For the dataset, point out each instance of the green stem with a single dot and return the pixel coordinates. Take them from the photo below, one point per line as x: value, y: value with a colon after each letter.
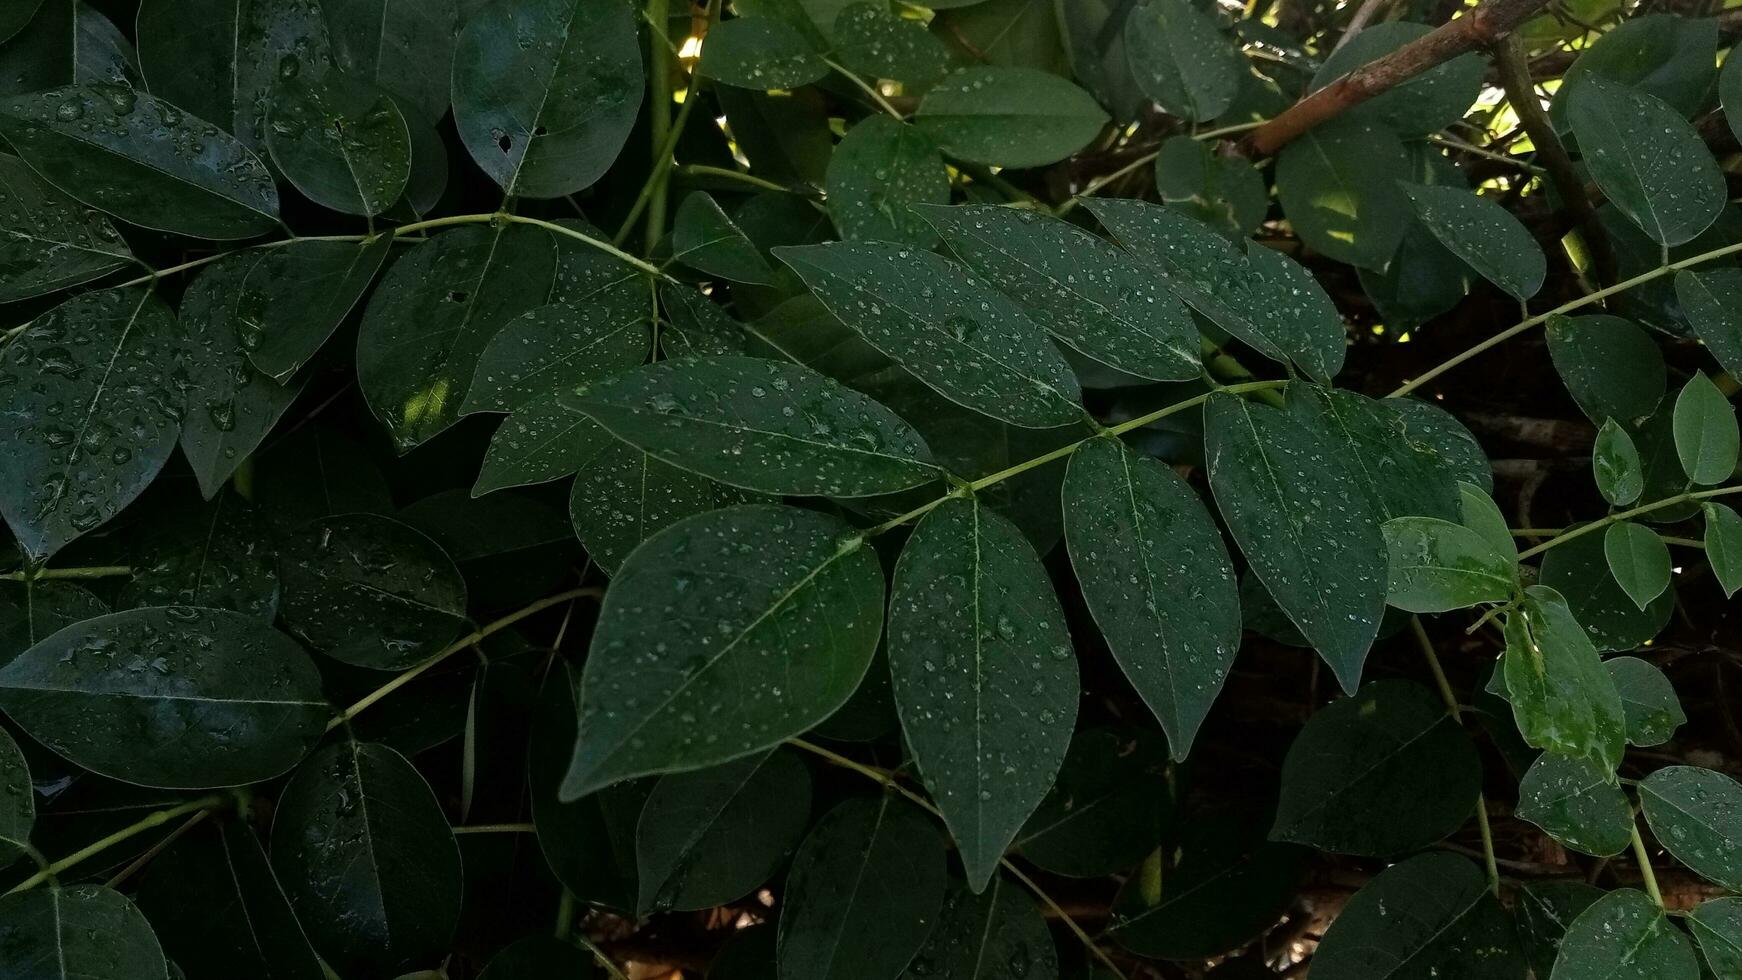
x: 1584, y: 529
x: 495, y: 828
x: 701, y: 170
x: 1647, y: 876
x: 565, y: 915
x: 550, y: 226
x: 659, y: 112
x: 599, y: 954
x: 407, y: 676
x: 1567, y: 307
x: 866, y: 87
x: 93, y: 571
x: 659, y: 177
x: 1450, y: 697
x: 154, y: 819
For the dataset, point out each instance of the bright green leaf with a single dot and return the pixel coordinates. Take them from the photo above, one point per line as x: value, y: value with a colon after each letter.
x: 1615, y: 464
x: 1648, y: 700
x: 1437, y: 566
x: 1562, y: 697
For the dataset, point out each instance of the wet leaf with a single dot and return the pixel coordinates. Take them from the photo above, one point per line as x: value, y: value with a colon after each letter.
x: 404, y: 46
x: 1625, y: 936
x: 1156, y: 575
x: 366, y: 858
x: 33, y: 612
x: 1696, y: 814
x: 218, y: 554
x: 540, y: 442
x: 1438, y: 566
x: 1647, y: 159
x: 546, y: 91
x: 872, y: 40
x: 880, y: 170
x: 1009, y: 117
x: 370, y: 591
x: 965, y: 340
x: 1562, y: 697
x: 68, y: 41
x: 48, y: 241
x: 340, y: 141
x: 997, y: 933
x: 761, y: 53
x: 1610, y: 366
x: 295, y: 297
x: 1615, y: 463
x: 1577, y: 802
x: 1579, y: 571
x: 1339, y: 185
x: 1724, y: 545
x: 1711, y: 300
x: 1544, y: 910
x: 1648, y: 700
x: 1226, y: 193
x: 705, y: 238
x: 1431, y: 915
x: 1484, y: 234
x: 759, y: 618
x: 1638, y: 559
x: 557, y: 347
x: 985, y: 676
x: 82, y: 932
x: 622, y: 496
x: 172, y: 696
x: 866, y: 889
x: 1358, y: 756
x: 1706, y: 436
x: 89, y: 411
x: 1181, y: 59
x: 1717, y: 926
x: 17, y: 802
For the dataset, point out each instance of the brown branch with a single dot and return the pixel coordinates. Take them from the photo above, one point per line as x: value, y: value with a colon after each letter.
x: 1487, y: 24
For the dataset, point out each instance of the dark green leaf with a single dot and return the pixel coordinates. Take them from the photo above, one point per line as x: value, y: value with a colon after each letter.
x: 1666, y: 55
x: 435, y: 312
x: 84, y: 932
x: 872, y: 40
x: 15, y: 16
x: 48, y: 241
x: 1638, y: 559
x: 370, y: 591
x: 1224, y: 192
x: 761, y: 53
x: 997, y: 933
x: 1609, y: 365
x: 1696, y: 814
x: 540, y: 958
x: 1545, y: 909
x: 985, y: 677
x: 1615, y: 463
x: 1478, y: 512
x: 172, y: 696
x: 557, y: 346
x: 1562, y: 696
x: 133, y: 155
x: 1339, y: 186
x: 218, y: 554
x: 68, y: 41
x: 712, y: 836
x: 1711, y: 299
x: 864, y: 893
x: 296, y: 296
x: 588, y: 843
x: 546, y: 91
x: 1717, y: 925
x: 1303, y: 523
x: 1647, y: 159
x: 1157, y: 578
x: 1647, y: 699
x: 1085, y: 292
x: 1625, y: 936
x: 696, y: 324
x: 622, y: 496
x: 340, y: 141
x: 1706, y: 436
x: 1405, y: 467
x: 366, y: 858
x: 1438, y: 566
x: 17, y: 802
x: 1182, y: 60
x: 1484, y: 234
x: 1020, y: 33
x: 705, y: 238
x: 404, y: 46
x: 1106, y: 811
x: 761, y: 425
x: 90, y: 409
x: 1009, y: 117
x: 1724, y: 545
x: 968, y: 342
x: 313, y: 472
x: 759, y: 618
x: 1577, y: 802
x: 1429, y: 916
x: 219, y: 910
x: 1358, y: 758
x: 1420, y: 105
x: 881, y: 169
x: 31, y: 613
x: 1579, y: 571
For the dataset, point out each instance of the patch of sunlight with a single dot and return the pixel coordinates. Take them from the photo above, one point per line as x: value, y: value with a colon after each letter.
x: 428, y: 402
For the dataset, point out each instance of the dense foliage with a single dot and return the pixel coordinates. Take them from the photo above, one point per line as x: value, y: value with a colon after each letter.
x: 843, y: 490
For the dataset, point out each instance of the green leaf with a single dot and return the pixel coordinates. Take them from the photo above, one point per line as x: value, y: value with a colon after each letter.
x: 966, y: 341
x: 66, y: 42
x: 83, y: 446
x: 1303, y: 523
x: 1339, y: 184
x: 1391, y: 740
x: 370, y: 591
x: 1671, y: 57
x: 1422, y: 104
x: 872, y: 40
x: 218, y: 555
x: 231, y: 406
x: 1647, y: 699
x: 1615, y: 464
x: 589, y: 843
x: 761, y: 425
x: 1226, y: 193
x: 366, y: 858
x: 17, y: 802
x: 1484, y: 234
x: 1638, y: 559
x: 1696, y: 814
x: 1717, y: 926
x: 1579, y: 571
x: 1099, y: 300
x: 705, y: 238
x: 1724, y: 545
x: 696, y: 324
x: 712, y: 836
x: 340, y: 141
x: 172, y: 696
x: 622, y: 496
x: 540, y: 957
x: 436, y: 310
x: 1625, y: 936
x: 761, y: 618
x: 786, y: 136
x: 1478, y: 512
x: 1545, y: 908
x: 545, y: 92
x: 1562, y: 697
x: 1437, y: 566
x: 554, y: 347
x: 1020, y: 33
x: 761, y: 53
x: 997, y: 932
x: 15, y: 16
x: 82, y: 932
x: 219, y: 910
x: 1706, y: 436
x: 1261, y: 297
x: 880, y: 170
x: 1432, y: 915
x: 1577, y: 802
x: 985, y: 677
x: 1646, y: 159
x: 1711, y: 299
x: 1182, y: 60
x: 1156, y: 576
x: 1009, y: 117
x: 1106, y: 811
x: 48, y: 241
x: 294, y: 298
x: 31, y: 613
x: 404, y: 46
x: 132, y: 155
x: 863, y: 892
x: 1610, y: 366
x: 315, y: 471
